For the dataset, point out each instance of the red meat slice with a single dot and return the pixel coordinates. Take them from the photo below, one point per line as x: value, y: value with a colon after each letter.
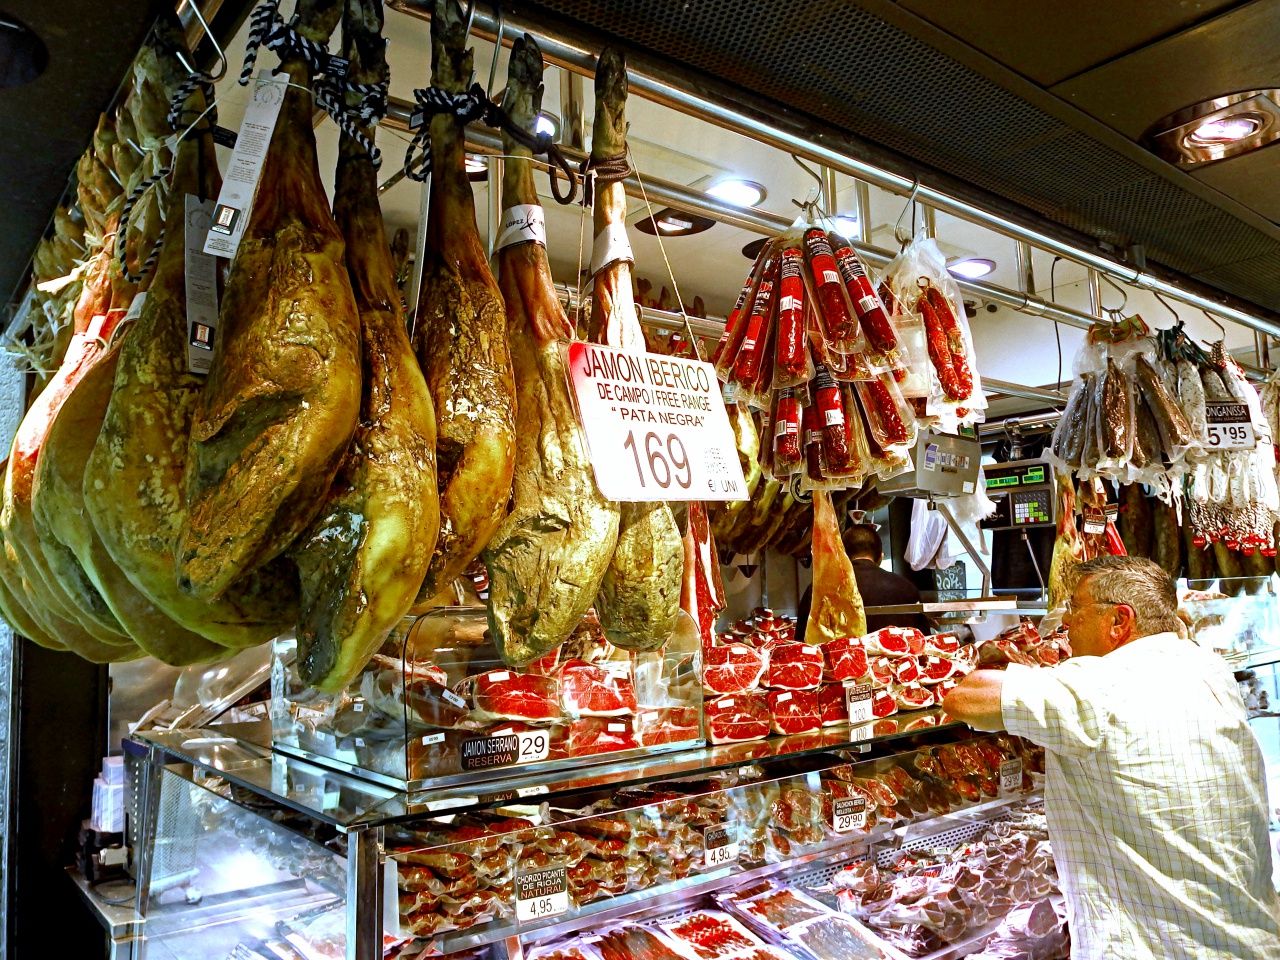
x: 589, y: 735
x: 942, y: 644
x: 846, y: 659
x: 742, y: 716
x: 883, y: 704
x: 1048, y: 654
x: 517, y: 696
x: 590, y: 690
x: 668, y: 725
x: 795, y: 666
x: 895, y: 642
x: 881, y: 670
x: 941, y: 690
x: 912, y: 696
x: 1000, y: 653
x: 936, y: 669
x: 735, y: 668
x: 832, y: 707
x: 794, y: 711
x: 906, y: 670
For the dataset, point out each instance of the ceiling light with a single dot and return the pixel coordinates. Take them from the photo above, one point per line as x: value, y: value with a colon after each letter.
x: 1226, y: 129
x: 674, y: 223
x: 844, y: 225
x: 752, y: 250
x: 23, y: 55
x: 549, y: 124
x: 1216, y: 129
x: 971, y: 268
x: 737, y: 193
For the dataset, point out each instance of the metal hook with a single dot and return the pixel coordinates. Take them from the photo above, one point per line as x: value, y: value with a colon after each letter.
x: 497, y: 50
x: 1167, y: 305
x: 1214, y: 320
x: 1115, y: 311
x: 810, y: 206
x: 466, y: 38
x: 909, y: 205
x: 222, y: 57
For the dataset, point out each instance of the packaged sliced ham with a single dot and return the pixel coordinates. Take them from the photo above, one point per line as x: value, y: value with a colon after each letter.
x: 795, y: 666
x: 513, y: 695
x: 935, y: 669
x: 710, y: 934
x: 741, y: 716
x: 596, y: 690
x: 794, y: 711
x: 895, y: 642
x: 832, y: 706
x: 883, y: 704
x: 942, y: 644
x: 733, y: 668
x: 590, y: 735
x: 912, y: 696
x: 846, y: 659
x: 659, y: 725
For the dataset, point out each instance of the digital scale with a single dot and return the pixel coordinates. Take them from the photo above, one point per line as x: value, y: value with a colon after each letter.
x: 1024, y: 494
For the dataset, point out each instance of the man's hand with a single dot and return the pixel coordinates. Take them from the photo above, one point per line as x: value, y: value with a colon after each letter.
x: 976, y: 700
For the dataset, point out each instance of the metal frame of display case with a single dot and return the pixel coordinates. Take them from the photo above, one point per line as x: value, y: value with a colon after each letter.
x: 363, y: 815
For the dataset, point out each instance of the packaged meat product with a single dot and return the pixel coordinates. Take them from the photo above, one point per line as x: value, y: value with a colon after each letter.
x: 834, y: 938
x: 661, y: 725
x: 837, y: 609
x: 791, y: 354
x: 845, y: 659
x: 781, y: 908
x: 735, y: 668
x: 710, y: 934
x: 941, y: 644
x: 795, y: 666
x: 634, y: 942
x: 549, y: 555
x: 825, y: 275
x: 514, y: 695
x: 574, y: 950
x: 742, y: 716
x: 590, y: 735
x: 935, y: 669
x: 794, y: 711
x: 1175, y: 433
x: 701, y: 589
x: 883, y: 704
x: 833, y: 708
x: 727, y: 347
x: 421, y: 697
x: 895, y: 642
x: 596, y: 690
x: 911, y: 696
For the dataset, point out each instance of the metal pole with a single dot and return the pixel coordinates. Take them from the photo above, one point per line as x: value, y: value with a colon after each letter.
x: 1026, y: 268
x: 364, y: 894
x: 573, y: 125
x: 565, y: 54
x: 829, y: 191
x: 929, y: 216
x: 862, y: 203
x: 1095, y: 293
x: 493, y: 206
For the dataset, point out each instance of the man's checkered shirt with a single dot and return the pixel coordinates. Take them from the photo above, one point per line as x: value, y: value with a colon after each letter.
x: 1156, y: 802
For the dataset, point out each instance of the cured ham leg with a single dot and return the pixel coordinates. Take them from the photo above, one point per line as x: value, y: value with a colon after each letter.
x: 836, y: 611
x: 702, y: 590
x: 279, y: 405
x: 640, y: 594
x: 549, y: 556
x: 460, y: 334
x: 364, y: 557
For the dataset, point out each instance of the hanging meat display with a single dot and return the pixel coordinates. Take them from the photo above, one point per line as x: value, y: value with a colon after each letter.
x: 549, y: 556
x: 460, y: 334
x: 836, y: 612
x: 364, y: 557
x: 640, y: 593
x: 279, y: 405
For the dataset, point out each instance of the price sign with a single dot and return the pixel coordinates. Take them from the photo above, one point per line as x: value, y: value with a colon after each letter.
x: 720, y: 844
x: 858, y: 700
x: 656, y: 426
x: 848, y: 814
x: 542, y: 894
x: 1010, y: 777
x: 505, y: 750
x: 1230, y: 427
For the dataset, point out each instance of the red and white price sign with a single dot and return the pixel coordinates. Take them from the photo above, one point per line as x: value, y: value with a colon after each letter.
x: 656, y: 426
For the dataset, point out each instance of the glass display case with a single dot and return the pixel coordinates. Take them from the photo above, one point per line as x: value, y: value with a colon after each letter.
x: 437, y: 706
x: 249, y: 853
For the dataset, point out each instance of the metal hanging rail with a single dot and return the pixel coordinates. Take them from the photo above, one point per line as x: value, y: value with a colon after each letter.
x: 568, y: 55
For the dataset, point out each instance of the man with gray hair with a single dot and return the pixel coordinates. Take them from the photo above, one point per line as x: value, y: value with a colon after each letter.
x: 1155, y: 794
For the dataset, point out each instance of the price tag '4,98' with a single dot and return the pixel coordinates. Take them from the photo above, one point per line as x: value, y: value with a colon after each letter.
x: 656, y: 426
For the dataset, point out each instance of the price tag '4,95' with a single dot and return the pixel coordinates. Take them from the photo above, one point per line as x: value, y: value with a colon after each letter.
x: 542, y: 894
x: 656, y: 426
x: 720, y: 844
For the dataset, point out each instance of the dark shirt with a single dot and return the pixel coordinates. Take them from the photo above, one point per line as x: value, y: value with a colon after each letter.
x: 879, y: 588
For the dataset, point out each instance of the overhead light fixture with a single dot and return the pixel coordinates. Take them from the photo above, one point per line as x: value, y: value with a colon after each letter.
x: 1217, y: 129
x: 971, y: 268
x: 674, y: 223
x: 752, y: 250
x: 23, y: 55
x: 549, y: 124
x: 737, y: 193
x: 845, y: 225
x: 477, y: 168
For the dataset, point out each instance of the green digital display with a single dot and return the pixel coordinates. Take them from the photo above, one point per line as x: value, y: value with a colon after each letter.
x: 994, y: 483
x: 1034, y: 475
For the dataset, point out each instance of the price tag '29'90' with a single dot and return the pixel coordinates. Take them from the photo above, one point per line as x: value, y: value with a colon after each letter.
x: 656, y: 426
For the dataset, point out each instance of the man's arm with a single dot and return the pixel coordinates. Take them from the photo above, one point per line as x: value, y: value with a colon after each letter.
x: 976, y: 700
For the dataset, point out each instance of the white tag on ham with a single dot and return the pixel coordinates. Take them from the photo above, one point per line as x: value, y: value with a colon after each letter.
x: 523, y: 223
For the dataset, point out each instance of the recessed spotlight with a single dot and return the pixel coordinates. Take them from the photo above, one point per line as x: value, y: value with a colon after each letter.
x: 549, y: 124
x: 1226, y: 129
x: 752, y: 250
x: 1216, y: 129
x: 23, y: 55
x: 674, y: 223
x: 971, y: 268
x: 737, y: 193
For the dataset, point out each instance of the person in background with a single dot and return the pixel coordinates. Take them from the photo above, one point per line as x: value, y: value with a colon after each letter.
x: 878, y: 587
x: 1155, y: 793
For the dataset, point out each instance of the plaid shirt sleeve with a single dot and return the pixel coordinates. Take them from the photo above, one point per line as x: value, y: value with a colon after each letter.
x: 1053, y: 707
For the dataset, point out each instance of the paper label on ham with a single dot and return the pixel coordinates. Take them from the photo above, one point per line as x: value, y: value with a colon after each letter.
x: 201, y: 285
x: 523, y: 223
x: 611, y: 245
x: 240, y: 181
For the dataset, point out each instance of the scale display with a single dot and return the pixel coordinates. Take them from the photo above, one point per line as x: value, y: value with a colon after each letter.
x: 1024, y: 495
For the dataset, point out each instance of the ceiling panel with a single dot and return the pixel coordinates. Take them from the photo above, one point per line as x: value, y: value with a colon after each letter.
x: 1079, y: 35
x: 1252, y: 178
x: 1229, y: 53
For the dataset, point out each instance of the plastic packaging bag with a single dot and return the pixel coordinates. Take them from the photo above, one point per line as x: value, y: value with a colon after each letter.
x: 791, y: 353
x: 735, y: 325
